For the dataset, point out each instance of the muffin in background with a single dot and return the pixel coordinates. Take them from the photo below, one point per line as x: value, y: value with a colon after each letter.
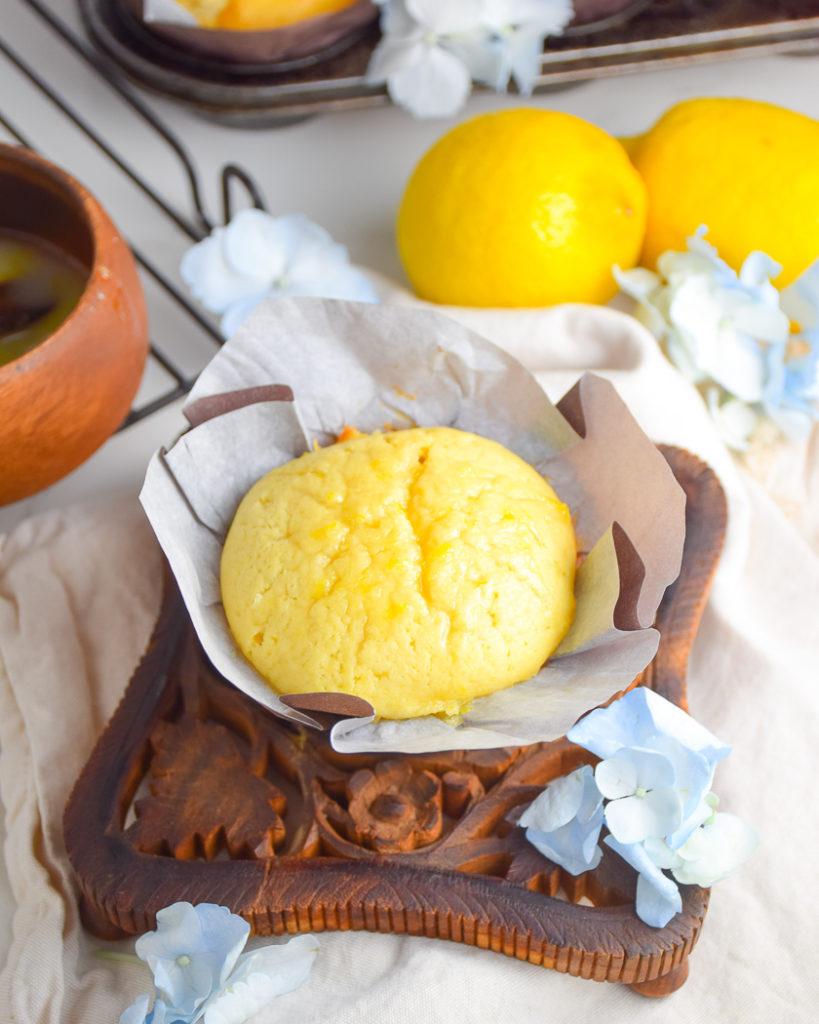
x: 254, y: 31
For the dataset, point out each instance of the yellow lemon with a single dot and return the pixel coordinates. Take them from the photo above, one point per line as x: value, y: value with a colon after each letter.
x: 255, y: 15
x: 524, y: 207
x: 748, y: 171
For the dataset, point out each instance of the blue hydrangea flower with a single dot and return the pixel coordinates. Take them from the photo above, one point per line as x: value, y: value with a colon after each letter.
x: 564, y: 821
x: 643, y: 800
x: 751, y: 351
x: 652, y: 789
x: 192, y: 952
x: 257, y: 255
x: 200, y: 973
x: 683, y: 758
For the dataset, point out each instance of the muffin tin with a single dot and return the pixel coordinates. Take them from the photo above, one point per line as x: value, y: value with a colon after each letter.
x: 643, y: 35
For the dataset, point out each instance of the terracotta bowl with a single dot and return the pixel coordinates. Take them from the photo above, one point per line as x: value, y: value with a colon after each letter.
x: 64, y: 397
x: 289, y: 43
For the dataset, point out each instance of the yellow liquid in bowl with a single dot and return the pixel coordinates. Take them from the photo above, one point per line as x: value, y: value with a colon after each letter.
x: 37, y: 269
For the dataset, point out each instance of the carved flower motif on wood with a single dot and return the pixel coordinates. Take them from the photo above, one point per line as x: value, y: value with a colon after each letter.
x: 395, y: 808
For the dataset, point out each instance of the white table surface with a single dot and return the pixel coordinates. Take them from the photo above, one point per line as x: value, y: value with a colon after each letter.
x: 345, y: 170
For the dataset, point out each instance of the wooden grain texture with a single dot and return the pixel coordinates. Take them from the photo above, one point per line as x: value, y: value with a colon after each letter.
x: 196, y: 793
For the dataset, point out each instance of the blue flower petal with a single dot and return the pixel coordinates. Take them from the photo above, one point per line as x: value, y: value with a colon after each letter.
x: 564, y: 822
x: 137, y: 1012
x: 715, y: 851
x: 654, y: 904
x: 658, y: 898
x: 559, y: 802
x: 260, y: 977
x: 191, y: 952
x: 635, y: 818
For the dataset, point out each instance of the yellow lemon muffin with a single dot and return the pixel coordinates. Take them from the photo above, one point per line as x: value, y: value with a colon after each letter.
x: 418, y: 570
x: 256, y: 15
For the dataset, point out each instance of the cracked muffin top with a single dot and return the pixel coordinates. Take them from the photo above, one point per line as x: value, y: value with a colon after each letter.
x: 418, y: 570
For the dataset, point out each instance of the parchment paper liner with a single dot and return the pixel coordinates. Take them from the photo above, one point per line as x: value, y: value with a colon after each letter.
x: 377, y: 367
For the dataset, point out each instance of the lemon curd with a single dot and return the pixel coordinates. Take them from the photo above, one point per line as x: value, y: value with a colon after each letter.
x: 39, y: 286
x: 418, y: 569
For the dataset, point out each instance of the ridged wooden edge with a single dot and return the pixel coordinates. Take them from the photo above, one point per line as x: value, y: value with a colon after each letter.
x: 122, y: 888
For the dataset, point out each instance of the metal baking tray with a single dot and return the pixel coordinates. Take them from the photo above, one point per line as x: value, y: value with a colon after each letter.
x: 659, y: 34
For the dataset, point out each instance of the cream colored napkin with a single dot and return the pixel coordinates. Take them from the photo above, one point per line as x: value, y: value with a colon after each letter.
x: 79, y: 590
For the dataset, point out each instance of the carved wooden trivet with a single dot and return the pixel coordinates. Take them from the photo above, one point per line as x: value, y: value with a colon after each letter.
x: 194, y: 792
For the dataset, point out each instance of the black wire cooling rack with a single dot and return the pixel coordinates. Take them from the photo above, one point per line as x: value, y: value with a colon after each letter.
x: 195, y: 226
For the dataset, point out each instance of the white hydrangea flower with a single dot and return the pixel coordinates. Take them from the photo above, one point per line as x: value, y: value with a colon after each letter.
x: 257, y: 255
x: 431, y: 52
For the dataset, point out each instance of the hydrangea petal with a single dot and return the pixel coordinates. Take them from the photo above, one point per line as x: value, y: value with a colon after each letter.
x: 762, y: 323
x: 800, y: 300
x: 137, y: 1012
x: 735, y: 420
x: 524, y: 49
x: 258, y: 255
x: 660, y: 853
x: 191, y: 952
x: 698, y: 246
x: 644, y: 287
x: 565, y: 825
x: 658, y: 898
x: 239, y: 310
x: 635, y: 719
x: 210, y: 277
x: 697, y: 312
x: 634, y: 818
x: 622, y: 774
x: 566, y: 849
x: 733, y: 336
x: 261, y: 976
x: 715, y: 851
x: 638, y: 282
x: 390, y: 56
x: 792, y: 388
x: 430, y: 82
x: 348, y: 282
x: 692, y: 775
x: 484, y: 57
x: 397, y: 23
x: 616, y: 777
x: 692, y: 819
x: 259, y: 246
x: 558, y: 803
x: 314, y: 255
x: 759, y: 269
x: 656, y: 904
